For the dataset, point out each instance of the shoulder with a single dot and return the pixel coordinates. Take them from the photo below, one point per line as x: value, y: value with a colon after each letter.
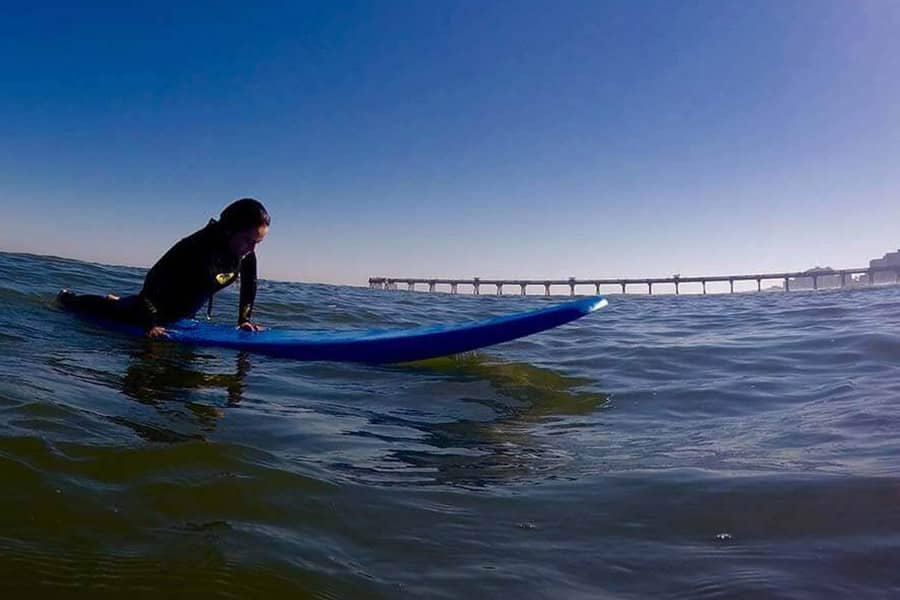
x: 206, y: 234
x: 206, y: 237
x: 185, y: 248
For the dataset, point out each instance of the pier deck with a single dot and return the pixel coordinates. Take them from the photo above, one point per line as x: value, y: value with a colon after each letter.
x: 869, y: 275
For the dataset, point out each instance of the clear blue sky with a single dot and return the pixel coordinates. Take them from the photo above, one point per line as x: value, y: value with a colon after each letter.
x: 497, y: 139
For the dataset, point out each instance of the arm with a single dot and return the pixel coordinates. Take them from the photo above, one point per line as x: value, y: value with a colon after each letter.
x: 144, y: 313
x: 248, y: 292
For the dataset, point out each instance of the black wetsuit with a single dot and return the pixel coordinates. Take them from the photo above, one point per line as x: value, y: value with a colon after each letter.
x: 180, y: 283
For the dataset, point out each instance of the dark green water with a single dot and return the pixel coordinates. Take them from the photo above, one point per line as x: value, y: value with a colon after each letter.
x: 695, y: 447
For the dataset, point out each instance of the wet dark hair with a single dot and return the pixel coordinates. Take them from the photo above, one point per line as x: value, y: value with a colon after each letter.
x: 244, y: 214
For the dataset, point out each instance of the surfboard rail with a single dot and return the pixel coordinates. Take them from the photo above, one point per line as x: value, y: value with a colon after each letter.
x: 377, y: 346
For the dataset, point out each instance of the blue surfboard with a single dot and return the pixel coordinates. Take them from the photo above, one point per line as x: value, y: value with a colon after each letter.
x: 376, y: 345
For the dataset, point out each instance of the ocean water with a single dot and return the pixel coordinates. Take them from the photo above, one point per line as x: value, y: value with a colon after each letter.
x: 726, y: 446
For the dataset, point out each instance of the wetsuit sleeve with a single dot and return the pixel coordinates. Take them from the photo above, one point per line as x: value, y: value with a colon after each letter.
x: 248, y: 288
x: 145, y: 313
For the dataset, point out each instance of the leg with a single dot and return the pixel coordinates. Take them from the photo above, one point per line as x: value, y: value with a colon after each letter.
x: 109, y: 306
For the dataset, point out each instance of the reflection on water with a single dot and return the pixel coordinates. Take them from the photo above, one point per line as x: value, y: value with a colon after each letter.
x: 168, y: 378
x: 541, y: 392
x: 510, y: 446
x: 162, y: 372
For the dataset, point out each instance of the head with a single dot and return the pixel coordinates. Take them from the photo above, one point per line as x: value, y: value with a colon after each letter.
x: 246, y: 224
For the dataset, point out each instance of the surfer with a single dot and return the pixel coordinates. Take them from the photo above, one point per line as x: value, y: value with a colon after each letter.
x: 190, y: 273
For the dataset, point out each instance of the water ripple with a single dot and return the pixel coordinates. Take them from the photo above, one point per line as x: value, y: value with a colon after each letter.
x: 721, y: 446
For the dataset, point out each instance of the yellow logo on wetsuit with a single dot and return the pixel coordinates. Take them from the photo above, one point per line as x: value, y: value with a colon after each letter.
x: 223, y: 278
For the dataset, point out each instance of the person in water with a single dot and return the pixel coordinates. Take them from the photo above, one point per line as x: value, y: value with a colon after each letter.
x: 188, y: 275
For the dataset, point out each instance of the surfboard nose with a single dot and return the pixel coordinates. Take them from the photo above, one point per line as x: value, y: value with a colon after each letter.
x: 589, y: 305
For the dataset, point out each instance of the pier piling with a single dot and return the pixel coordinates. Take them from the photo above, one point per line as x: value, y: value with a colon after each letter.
x: 798, y: 279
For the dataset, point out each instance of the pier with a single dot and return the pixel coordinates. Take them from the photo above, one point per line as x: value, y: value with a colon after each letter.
x: 868, y: 276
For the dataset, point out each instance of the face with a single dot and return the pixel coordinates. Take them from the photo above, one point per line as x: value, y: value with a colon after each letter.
x: 244, y: 242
